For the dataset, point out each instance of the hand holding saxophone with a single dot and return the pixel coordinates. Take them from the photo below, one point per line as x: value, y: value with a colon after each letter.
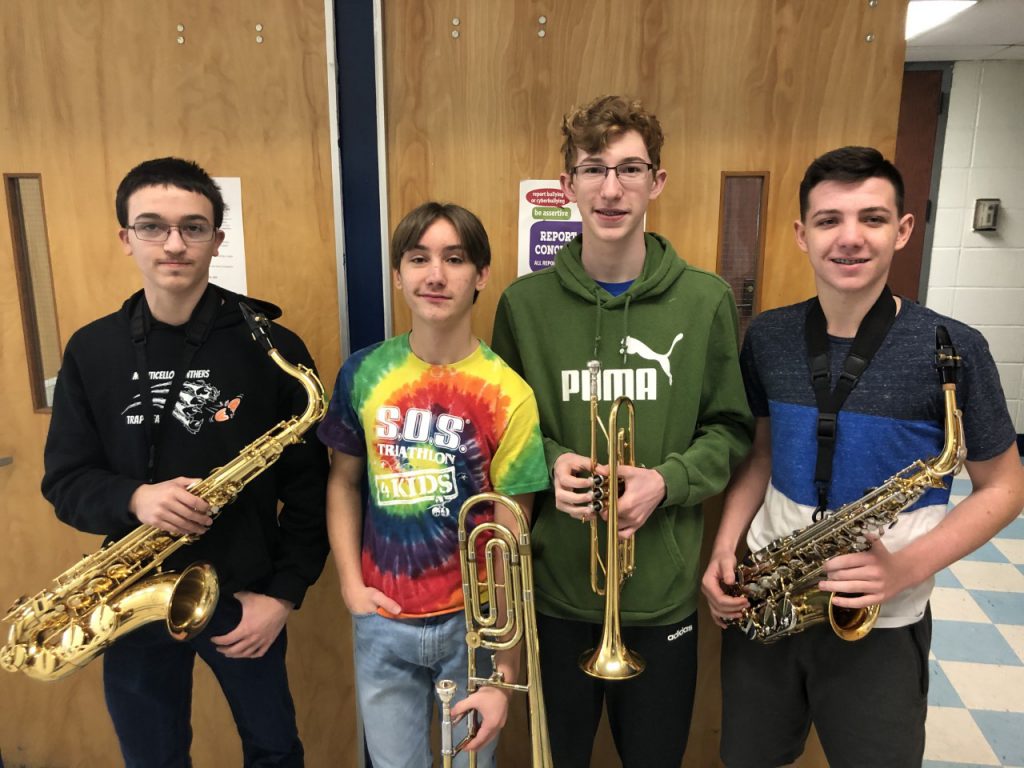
x: 863, y: 579
x: 170, y: 507
x: 720, y: 574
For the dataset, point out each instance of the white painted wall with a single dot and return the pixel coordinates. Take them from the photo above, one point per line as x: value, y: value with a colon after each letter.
x: 978, y: 277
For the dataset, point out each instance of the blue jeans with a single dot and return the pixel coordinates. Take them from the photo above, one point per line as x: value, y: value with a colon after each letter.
x: 147, y: 679
x: 398, y: 662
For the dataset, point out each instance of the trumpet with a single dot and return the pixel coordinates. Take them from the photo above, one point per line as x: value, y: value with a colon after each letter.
x: 611, y: 660
x: 485, y: 628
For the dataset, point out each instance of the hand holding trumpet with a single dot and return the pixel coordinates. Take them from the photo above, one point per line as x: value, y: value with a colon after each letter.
x: 642, y: 490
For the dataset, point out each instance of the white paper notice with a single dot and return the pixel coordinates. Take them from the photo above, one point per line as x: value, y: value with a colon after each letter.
x: 547, y: 221
x: 228, y: 268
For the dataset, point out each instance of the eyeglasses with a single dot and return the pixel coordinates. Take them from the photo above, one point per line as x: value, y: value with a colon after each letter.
x: 629, y: 173
x: 197, y: 231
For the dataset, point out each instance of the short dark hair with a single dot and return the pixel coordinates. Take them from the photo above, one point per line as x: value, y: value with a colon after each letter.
x: 591, y: 126
x: 849, y: 165
x: 467, y: 226
x: 169, y: 172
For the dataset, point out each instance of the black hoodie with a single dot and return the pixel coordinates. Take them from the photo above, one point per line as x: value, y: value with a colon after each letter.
x: 97, y: 447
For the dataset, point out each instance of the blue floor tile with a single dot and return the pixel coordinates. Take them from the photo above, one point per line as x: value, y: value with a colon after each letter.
x: 1001, y: 607
x: 945, y: 578
x: 1003, y: 731
x: 970, y: 641
x: 941, y: 692
x: 1014, y: 530
x: 987, y: 553
x: 961, y: 487
x: 942, y: 764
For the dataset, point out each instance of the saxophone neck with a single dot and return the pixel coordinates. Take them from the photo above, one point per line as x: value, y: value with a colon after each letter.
x: 954, y: 449
x: 316, y: 404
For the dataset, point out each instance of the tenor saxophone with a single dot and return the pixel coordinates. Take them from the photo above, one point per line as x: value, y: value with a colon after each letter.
x: 122, y: 586
x: 780, y: 581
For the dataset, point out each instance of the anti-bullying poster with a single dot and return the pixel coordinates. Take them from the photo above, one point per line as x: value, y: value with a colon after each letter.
x: 547, y: 221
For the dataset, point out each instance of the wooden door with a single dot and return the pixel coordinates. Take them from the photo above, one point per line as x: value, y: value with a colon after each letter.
x: 920, y: 112
x: 90, y: 89
x: 474, y: 99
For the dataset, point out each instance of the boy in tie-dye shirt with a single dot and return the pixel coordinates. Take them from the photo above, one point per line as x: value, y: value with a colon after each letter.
x: 418, y: 424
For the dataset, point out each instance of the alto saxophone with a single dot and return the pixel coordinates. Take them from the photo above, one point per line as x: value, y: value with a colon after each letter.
x: 108, y: 594
x: 780, y: 581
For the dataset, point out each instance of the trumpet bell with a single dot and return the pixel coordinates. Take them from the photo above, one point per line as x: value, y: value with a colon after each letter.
x: 612, y: 661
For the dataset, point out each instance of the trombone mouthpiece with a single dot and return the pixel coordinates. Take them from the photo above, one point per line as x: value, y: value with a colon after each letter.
x: 445, y: 690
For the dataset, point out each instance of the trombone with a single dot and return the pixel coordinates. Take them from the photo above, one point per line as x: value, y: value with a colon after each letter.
x: 484, y: 630
x: 611, y: 660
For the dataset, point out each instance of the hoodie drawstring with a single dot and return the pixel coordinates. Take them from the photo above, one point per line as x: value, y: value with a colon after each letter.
x: 597, y: 326
x: 625, y: 328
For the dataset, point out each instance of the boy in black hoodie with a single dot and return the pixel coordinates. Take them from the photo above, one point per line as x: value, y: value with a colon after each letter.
x: 149, y: 400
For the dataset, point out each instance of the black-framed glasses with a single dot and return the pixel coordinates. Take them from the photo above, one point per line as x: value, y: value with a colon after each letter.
x: 630, y: 172
x: 198, y: 231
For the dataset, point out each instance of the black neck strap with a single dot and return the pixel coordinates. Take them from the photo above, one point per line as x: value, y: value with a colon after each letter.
x: 196, y: 331
x: 870, y: 335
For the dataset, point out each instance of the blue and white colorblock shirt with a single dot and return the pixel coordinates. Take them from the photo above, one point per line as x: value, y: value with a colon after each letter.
x: 893, y: 417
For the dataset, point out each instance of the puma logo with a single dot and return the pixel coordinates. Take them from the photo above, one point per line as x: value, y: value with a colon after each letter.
x: 631, y: 346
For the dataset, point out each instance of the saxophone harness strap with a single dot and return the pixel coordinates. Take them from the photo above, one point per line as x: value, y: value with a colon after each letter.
x: 872, y: 331
x: 196, y: 331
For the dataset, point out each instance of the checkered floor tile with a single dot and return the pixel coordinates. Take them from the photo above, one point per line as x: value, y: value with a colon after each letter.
x: 976, y: 694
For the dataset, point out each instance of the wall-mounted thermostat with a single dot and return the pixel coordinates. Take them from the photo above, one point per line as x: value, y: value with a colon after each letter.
x: 986, y: 214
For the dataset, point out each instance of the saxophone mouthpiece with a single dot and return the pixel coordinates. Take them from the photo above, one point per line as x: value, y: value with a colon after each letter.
x: 946, y: 358
x: 258, y: 324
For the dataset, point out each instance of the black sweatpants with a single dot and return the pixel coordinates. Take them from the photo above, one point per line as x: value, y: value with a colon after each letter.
x: 868, y: 699
x: 649, y: 714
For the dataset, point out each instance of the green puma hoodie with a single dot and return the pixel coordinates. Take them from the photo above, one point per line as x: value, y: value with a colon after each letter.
x: 670, y: 344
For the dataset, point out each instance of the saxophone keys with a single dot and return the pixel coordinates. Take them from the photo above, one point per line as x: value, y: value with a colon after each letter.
x: 119, y: 572
x: 99, y: 585
x: 72, y: 638
x: 42, y: 603
x: 103, y: 621
x: 13, y: 657
x: 80, y: 602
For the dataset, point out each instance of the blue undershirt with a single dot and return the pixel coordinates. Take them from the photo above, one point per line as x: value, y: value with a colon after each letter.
x: 615, y: 289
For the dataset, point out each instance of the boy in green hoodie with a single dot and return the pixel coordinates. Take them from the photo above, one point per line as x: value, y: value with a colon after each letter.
x: 665, y: 334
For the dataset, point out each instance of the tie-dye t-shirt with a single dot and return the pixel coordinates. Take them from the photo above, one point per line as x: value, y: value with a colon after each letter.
x: 432, y: 435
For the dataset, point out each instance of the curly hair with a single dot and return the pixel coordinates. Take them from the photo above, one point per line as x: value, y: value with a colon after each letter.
x: 590, y: 127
